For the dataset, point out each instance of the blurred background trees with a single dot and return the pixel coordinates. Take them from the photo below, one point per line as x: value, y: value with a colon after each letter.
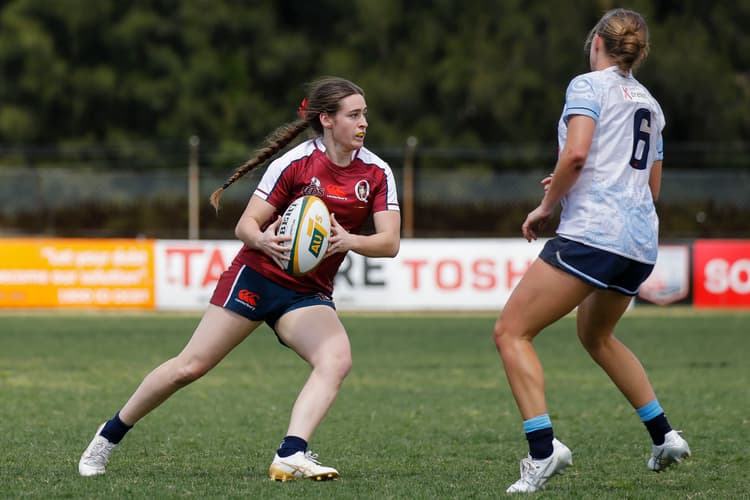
x: 125, y: 83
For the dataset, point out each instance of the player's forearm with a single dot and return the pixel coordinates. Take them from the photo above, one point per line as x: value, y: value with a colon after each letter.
x: 376, y: 245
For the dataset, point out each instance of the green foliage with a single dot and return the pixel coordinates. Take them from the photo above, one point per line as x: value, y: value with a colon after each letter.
x: 452, y: 73
x: 425, y: 413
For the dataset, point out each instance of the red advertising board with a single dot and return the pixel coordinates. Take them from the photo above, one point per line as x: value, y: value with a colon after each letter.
x: 721, y: 275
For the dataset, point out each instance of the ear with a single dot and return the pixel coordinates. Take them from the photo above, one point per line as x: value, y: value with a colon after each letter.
x: 597, y: 42
x: 325, y: 120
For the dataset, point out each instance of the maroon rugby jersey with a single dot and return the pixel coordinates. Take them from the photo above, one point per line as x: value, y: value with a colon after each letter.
x: 352, y: 193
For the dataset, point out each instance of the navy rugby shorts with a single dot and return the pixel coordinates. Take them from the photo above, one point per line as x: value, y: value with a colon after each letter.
x: 250, y: 294
x: 596, y: 267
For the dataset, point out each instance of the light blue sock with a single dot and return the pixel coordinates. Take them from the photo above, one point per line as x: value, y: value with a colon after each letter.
x: 539, y: 422
x: 649, y: 410
x: 539, y: 434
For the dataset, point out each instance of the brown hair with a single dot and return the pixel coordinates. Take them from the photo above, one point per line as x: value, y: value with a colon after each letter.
x: 625, y: 36
x: 323, y: 96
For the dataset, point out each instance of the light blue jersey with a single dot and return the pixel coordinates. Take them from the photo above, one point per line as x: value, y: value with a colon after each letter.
x: 610, y: 206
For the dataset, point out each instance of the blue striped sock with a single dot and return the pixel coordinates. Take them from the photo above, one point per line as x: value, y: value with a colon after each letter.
x: 649, y: 410
x: 652, y: 416
x: 539, y: 434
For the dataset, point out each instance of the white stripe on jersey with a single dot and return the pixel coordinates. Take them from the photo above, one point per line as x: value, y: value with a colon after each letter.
x: 280, y: 164
x: 371, y: 158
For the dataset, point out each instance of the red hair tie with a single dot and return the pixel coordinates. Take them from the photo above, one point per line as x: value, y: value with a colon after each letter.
x: 302, y: 108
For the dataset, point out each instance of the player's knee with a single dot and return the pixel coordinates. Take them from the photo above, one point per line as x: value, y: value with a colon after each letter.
x: 592, y: 342
x: 188, y: 372
x: 336, y: 365
x: 343, y: 365
x: 500, y: 333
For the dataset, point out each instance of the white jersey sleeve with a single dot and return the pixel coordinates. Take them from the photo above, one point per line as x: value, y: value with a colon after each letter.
x: 610, y: 207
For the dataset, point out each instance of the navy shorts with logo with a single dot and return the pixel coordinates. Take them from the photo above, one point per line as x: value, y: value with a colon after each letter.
x: 596, y: 267
x: 250, y: 294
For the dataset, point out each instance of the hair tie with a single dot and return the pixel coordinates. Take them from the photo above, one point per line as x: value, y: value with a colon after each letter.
x: 302, y: 108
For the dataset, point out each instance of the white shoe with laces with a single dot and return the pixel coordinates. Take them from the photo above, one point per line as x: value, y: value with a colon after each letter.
x: 536, y: 473
x: 94, y: 459
x: 301, y: 465
x: 674, y: 450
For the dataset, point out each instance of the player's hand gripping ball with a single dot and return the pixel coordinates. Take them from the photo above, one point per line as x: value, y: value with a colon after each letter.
x: 308, y: 223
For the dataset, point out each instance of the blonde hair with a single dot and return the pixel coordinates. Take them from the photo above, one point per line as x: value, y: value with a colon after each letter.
x: 625, y: 36
x: 323, y: 96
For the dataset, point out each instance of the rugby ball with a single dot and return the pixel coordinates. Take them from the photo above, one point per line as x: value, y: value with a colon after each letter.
x: 308, y: 223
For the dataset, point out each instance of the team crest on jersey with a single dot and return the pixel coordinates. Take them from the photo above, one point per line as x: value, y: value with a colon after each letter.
x: 362, y: 190
x: 314, y: 188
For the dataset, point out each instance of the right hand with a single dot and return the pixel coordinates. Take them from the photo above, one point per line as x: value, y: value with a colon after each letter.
x: 271, y: 244
x: 535, y: 222
x: 546, y: 182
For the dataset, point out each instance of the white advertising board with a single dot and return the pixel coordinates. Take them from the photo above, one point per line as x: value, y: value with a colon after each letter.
x: 186, y: 271
x: 427, y: 274
x: 436, y: 274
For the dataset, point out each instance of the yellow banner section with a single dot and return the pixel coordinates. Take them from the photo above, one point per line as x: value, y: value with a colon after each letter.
x: 77, y: 273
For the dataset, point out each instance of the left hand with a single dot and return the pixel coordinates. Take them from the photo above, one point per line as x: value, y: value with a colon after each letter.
x: 339, y: 241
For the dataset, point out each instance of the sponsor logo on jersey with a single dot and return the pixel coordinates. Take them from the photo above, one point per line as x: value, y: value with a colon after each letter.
x: 336, y: 191
x: 634, y: 93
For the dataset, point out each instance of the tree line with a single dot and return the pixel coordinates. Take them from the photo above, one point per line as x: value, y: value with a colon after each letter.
x: 80, y: 74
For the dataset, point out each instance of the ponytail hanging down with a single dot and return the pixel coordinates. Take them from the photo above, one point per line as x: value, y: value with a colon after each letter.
x: 273, y: 144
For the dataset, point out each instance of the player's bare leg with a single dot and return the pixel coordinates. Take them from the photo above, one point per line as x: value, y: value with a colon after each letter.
x: 317, y: 335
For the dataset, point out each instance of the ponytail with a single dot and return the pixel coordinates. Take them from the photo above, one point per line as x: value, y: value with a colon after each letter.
x: 275, y: 142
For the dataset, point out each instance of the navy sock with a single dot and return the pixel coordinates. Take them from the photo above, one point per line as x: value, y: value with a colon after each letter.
x: 657, y: 428
x: 540, y: 443
x: 291, y: 445
x: 115, y: 429
x: 653, y: 418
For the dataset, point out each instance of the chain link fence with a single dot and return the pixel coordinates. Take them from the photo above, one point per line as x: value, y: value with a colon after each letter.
x: 470, y: 192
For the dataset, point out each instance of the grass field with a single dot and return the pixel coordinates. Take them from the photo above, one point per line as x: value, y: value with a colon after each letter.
x: 425, y: 413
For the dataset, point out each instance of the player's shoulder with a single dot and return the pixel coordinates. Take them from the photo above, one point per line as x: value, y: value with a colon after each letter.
x: 369, y: 158
x: 298, y: 152
x: 585, y: 84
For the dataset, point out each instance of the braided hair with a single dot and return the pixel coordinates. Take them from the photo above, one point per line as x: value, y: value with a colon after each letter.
x: 323, y: 96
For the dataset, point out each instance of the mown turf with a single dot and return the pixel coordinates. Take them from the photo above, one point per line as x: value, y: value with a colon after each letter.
x: 425, y: 413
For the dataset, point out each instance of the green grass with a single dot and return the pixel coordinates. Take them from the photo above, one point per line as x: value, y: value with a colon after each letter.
x: 425, y: 413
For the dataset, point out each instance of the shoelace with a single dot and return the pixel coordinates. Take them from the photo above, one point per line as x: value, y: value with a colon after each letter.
x: 313, y: 457
x: 100, y: 450
x: 663, y: 458
x: 528, y: 468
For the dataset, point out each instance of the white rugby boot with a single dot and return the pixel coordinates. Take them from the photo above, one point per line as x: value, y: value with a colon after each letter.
x: 674, y: 450
x: 536, y: 473
x: 301, y: 465
x: 94, y: 459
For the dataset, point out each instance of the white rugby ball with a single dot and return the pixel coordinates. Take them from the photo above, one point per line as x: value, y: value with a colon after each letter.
x: 308, y: 222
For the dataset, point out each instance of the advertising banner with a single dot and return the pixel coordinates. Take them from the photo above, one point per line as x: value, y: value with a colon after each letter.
x: 70, y: 273
x: 439, y: 274
x: 721, y: 273
x: 427, y: 274
x: 187, y: 271
x: 669, y: 282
